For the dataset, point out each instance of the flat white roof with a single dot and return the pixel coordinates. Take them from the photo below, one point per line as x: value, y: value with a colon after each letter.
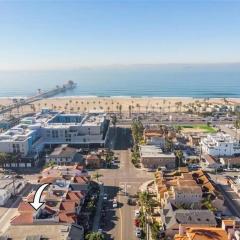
x: 153, y: 151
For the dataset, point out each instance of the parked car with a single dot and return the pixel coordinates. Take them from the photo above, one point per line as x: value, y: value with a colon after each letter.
x: 136, y: 222
x: 138, y: 232
x: 105, y: 197
x: 132, y: 201
x: 137, y: 213
x: 115, y: 205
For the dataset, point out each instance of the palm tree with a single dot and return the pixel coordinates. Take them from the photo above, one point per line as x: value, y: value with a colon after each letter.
x: 120, y: 110
x: 96, y: 176
x: 145, y: 200
x: 114, y: 120
x: 179, y: 158
x: 4, y: 157
x: 164, y: 102
x: 153, y: 108
x: 146, y: 109
x: 95, y: 236
x: 70, y: 102
x: 88, y: 106
x: 138, y: 106
x: 237, y: 126
x: 130, y: 111
x: 160, y: 109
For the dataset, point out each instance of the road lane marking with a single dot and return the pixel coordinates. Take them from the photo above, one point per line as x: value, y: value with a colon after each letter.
x: 121, y: 225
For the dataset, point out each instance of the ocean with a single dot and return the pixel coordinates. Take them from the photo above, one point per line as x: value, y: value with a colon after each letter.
x: 200, y: 81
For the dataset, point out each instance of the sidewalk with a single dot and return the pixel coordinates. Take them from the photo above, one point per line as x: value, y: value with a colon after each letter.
x: 98, y: 211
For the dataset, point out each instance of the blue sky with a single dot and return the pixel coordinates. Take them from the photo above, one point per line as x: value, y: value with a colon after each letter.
x: 69, y: 34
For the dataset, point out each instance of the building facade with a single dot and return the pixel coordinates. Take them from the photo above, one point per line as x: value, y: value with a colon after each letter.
x: 220, y: 145
x: 32, y: 134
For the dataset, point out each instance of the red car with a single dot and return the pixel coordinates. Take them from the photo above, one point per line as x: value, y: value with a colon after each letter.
x: 136, y: 222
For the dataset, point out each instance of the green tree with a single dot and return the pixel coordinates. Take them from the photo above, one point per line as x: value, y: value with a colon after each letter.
x: 114, y: 120
x: 96, y: 176
x: 4, y: 158
x: 130, y: 111
x: 120, y: 110
x: 95, y: 236
x: 179, y: 158
x: 155, y: 228
x: 146, y: 201
x: 237, y: 125
x: 168, y: 145
x: 137, y: 131
x: 108, y: 158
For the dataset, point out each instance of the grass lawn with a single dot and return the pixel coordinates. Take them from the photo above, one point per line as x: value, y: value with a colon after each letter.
x: 200, y: 128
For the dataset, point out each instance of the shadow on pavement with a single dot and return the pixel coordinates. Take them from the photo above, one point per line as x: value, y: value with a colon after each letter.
x: 109, y: 219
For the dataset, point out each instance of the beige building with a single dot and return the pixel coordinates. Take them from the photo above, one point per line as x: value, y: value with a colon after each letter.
x: 153, y: 157
x: 186, y: 195
x: 45, y: 231
x: 182, y: 187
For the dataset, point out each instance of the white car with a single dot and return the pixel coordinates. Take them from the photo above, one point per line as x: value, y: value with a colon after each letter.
x: 138, y: 232
x: 105, y: 197
x: 137, y: 213
x: 115, y: 205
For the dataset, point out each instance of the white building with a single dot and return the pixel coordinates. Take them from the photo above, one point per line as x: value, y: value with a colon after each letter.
x: 220, y: 145
x: 53, y: 128
x: 8, y: 186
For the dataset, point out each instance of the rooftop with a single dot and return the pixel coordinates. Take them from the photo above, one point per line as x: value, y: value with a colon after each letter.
x: 153, y: 151
x: 203, y: 233
x: 54, y: 231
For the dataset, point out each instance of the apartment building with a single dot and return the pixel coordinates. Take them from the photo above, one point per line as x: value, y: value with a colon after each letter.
x: 32, y: 134
x: 178, y: 190
x: 220, y: 144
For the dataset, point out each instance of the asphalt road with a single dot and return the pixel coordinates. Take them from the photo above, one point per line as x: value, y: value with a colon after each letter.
x: 121, y: 182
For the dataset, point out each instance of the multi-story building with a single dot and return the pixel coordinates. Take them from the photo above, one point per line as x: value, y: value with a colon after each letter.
x: 152, y: 156
x: 32, y: 134
x: 180, y: 190
x: 220, y: 144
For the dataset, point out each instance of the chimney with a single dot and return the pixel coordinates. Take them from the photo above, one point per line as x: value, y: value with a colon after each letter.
x: 181, y: 230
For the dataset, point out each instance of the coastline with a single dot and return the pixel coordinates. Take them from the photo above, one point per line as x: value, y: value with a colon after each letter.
x: 115, y: 103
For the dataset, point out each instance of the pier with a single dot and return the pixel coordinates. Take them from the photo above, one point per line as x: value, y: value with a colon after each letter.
x: 46, y: 94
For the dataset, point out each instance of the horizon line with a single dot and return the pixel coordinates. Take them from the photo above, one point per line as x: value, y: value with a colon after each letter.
x: 120, y: 65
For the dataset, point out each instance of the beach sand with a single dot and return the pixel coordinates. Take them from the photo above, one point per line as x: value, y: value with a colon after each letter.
x: 112, y: 104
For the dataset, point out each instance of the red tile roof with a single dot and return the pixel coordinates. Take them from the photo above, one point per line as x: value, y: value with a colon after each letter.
x: 81, y: 180
x: 67, y: 217
x: 24, y: 218
x: 25, y: 207
x: 48, y: 179
x: 68, y: 206
x: 75, y: 196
